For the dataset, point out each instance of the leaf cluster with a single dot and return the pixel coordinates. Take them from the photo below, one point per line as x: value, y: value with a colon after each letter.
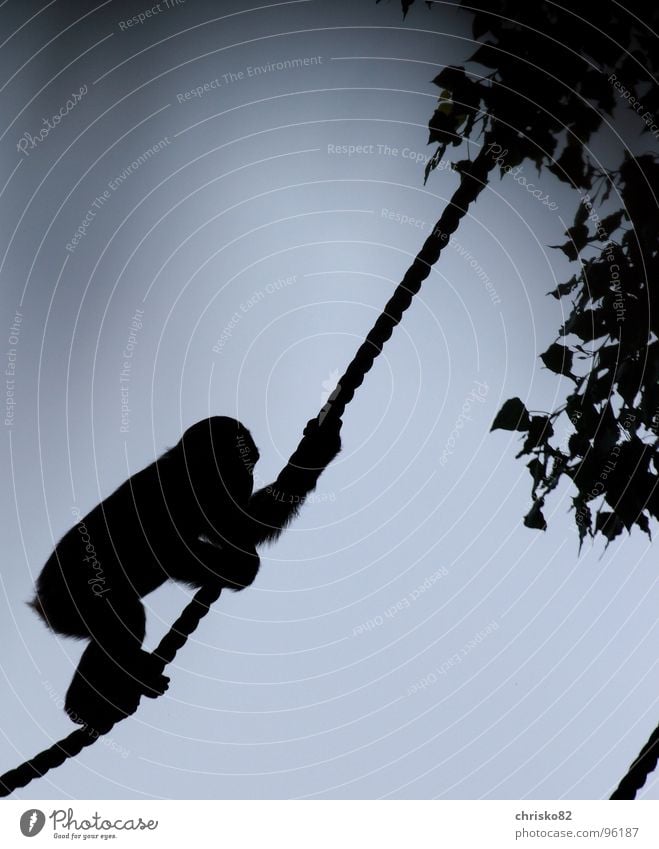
x: 542, y: 82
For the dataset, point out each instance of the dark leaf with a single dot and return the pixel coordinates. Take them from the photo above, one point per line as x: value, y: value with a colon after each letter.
x: 606, y: 435
x: 558, y: 359
x: 564, y: 288
x: 512, y: 416
x: 610, y: 224
x: 578, y: 445
x: 537, y: 469
x: 578, y: 236
x: 451, y: 77
x: 609, y: 524
x: 586, y: 324
x: 568, y: 249
x: 540, y: 431
x: 644, y: 525
x: 440, y: 126
x: 630, y: 485
x: 571, y: 166
x: 444, y: 125
x: 534, y: 518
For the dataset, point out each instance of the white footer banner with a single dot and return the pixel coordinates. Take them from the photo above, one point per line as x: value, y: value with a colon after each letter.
x: 331, y: 824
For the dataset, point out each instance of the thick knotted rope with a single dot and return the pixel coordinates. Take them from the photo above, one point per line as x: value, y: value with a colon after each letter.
x: 641, y: 768
x: 472, y: 182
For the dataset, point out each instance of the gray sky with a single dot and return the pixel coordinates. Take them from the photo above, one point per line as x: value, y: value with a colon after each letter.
x: 408, y: 637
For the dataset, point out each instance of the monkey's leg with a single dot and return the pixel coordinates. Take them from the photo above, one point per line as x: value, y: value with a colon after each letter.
x: 114, y: 672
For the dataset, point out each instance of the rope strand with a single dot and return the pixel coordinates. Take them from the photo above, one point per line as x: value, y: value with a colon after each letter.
x: 472, y: 183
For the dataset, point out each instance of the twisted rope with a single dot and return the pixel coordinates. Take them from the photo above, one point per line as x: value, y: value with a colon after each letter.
x: 472, y: 182
x: 641, y: 768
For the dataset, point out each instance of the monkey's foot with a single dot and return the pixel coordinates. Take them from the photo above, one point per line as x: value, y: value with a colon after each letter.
x: 97, y: 704
x: 105, y: 690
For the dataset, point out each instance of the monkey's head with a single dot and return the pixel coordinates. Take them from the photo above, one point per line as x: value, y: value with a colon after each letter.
x: 219, y: 455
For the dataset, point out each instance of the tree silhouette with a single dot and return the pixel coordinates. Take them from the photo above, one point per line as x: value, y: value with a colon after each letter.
x: 553, y: 79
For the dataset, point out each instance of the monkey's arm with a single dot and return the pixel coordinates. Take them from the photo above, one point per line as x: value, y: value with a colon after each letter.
x: 272, y: 508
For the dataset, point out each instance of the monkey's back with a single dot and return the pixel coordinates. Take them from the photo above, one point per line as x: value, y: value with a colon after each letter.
x: 111, y: 553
